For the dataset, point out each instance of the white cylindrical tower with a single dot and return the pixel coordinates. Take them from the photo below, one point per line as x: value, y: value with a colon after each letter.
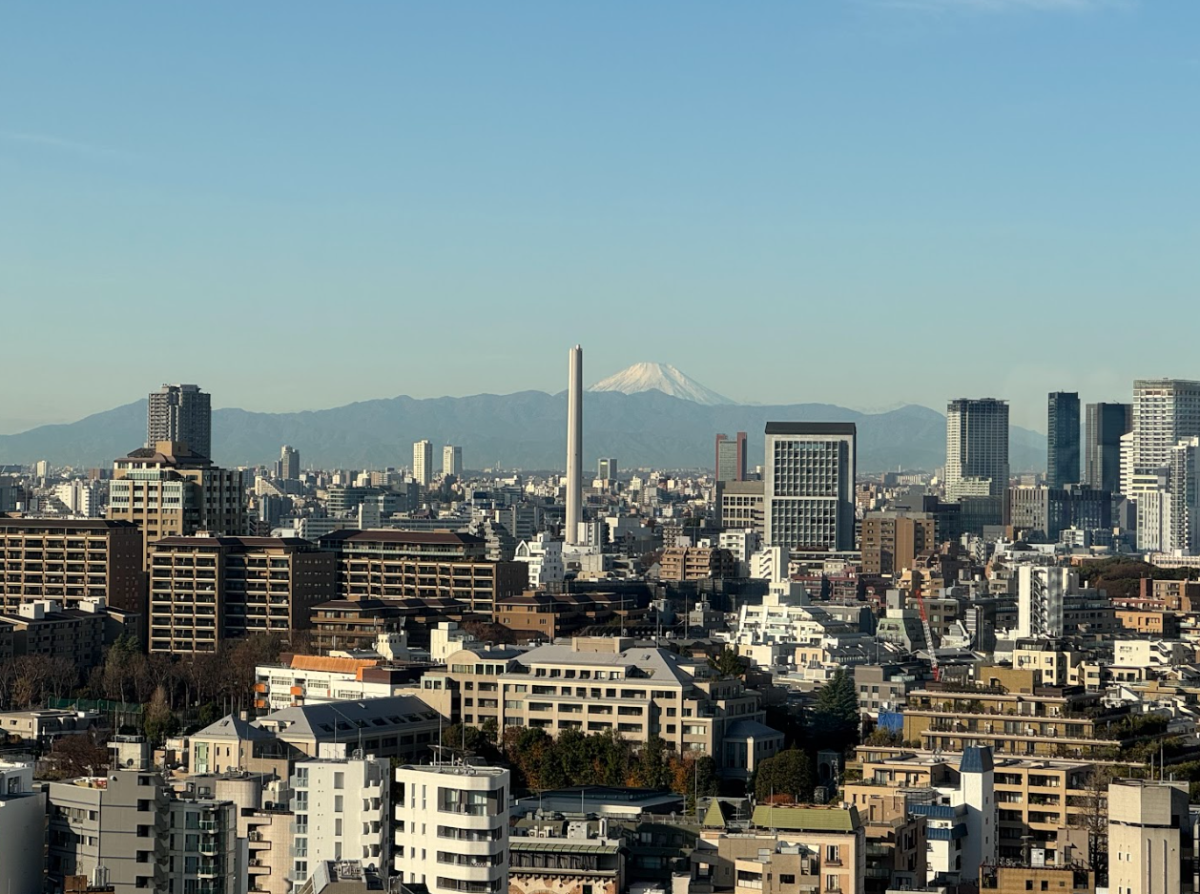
x: 574, y: 444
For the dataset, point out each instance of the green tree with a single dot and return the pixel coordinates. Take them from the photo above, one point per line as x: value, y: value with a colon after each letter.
x: 788, y: 773
x: 490, y: 730
x: 651, y: 769
x: 835, y: 718
x: 727, y: 664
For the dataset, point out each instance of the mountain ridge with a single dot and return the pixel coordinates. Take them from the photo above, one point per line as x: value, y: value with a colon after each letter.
x: 526, y: 429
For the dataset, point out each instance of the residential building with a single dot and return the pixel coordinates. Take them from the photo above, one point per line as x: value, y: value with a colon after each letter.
x: 402, y: 726
x: 341, y: 808
x: 394, y: 565
x: 1104, y: 426
x: 344, y: 877
x: 182, y: 414
x: 560, y: 856
x: 22, y: 829
x: 1041, y: 597
x: 42, y: 628
x: 204, y: 590
x: 731, y: 457
x: 896, y: 838
x: 1165, y: 412
x: 693, y: 563
x: 544, y: 557
x: 71, y: 560
x: 808, y: 496
x: 1044, y: 513
x: 1019, y: 876
x: 1062, y: 439
x: 1150, y: 844
x: 113, y: 829
x: 204, y: 853
x: 288, y: 467
x: 348, y: 624
x: 821, y: 847
x: 452, y: 461
x: 169, y: 490
x: 892, y: 541
x: 423, y: 462
x: 977, y: 450
x: 313, y: 679
x: 451, y: 827
x: 606, y: 683
x: 1183, y: 530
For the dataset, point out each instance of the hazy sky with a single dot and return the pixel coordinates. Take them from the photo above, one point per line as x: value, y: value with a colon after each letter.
x: 863, y: 202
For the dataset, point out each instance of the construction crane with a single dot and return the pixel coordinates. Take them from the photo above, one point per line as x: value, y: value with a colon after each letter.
x: 933, y: 661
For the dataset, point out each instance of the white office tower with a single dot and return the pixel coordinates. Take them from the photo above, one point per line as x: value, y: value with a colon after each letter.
x: 976, y: 448
x: 22, y: 829
x: 341, y: 807
x: 423, y: 462
x: 808, y: 492
x: 1165, y: 412
x: 452, y: 460
x: 574, y: 445
x: 451, y: 827
x: 1145, y: 850
x: 1041, y: 592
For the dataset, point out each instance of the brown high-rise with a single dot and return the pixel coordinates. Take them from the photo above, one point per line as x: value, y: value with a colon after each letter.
x: 891, y: 541
x: 69, y: 560
x: 170, y: 490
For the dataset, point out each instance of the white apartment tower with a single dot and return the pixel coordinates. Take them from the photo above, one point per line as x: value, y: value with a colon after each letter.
x: 808, y: 493
x: 976, y: 448
x: 1147, y: 853
x: 451, y: 828
x: 289, y: 463
x: 22, y: 828
x: 574, y: 445
x: 1165, y: 412
x: 452, y: 463
x: 423, y: 462
x: 1040, y: 597
x: 341, y: 808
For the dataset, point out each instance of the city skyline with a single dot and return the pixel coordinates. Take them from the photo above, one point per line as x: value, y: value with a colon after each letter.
x: 998, y: 163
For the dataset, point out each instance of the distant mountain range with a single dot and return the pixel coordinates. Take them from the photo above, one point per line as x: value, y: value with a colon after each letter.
x: 525, y: 430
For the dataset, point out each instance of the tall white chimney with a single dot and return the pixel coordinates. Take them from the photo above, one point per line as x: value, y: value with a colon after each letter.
x: 574, y: 444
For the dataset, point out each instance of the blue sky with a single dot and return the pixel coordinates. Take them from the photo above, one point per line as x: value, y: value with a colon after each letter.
x: 863, y: 202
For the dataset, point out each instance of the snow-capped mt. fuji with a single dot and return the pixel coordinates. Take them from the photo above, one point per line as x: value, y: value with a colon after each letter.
x: 660, y: 377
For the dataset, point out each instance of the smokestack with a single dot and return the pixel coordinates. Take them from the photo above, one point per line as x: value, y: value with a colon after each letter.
x: 574, y: 444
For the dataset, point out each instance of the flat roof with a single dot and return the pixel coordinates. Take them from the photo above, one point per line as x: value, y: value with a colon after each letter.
x: 811, y: 428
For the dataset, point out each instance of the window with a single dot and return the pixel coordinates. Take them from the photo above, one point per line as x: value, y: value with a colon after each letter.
x: 337, y: 804
x: 339, y: 780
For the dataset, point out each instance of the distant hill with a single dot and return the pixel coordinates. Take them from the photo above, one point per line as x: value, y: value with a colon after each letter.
x: 660, y: 377
x: 523, y: 430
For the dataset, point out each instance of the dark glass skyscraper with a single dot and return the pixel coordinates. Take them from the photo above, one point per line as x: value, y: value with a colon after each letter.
x: 1105, y: 423
x: 1062, y: 439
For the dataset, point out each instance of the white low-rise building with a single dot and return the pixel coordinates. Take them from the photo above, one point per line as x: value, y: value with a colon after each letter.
x: 341, y: 808
x: 22, y: 827
x: 545, y: 559
x: 451, y: 828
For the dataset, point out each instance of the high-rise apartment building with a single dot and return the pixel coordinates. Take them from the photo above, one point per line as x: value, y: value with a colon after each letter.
x: 731, y: 457
x: 288, y: 467
x: 451, y: 826
x: 69, y: 561
x: 606, y: 468
x: 1183, y: 528
x: 452, y: 463
x: 204, y: 590
x: 1104, y: 426
x: 976, y: 448
x: 170, y: 490
x: 1062, y: 439
x: 808, y: 495
x: 891, y: 541
x: 1165, y: 412
x: 181, y: 413
x: 1041, y: 595
x: 423, y: 462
